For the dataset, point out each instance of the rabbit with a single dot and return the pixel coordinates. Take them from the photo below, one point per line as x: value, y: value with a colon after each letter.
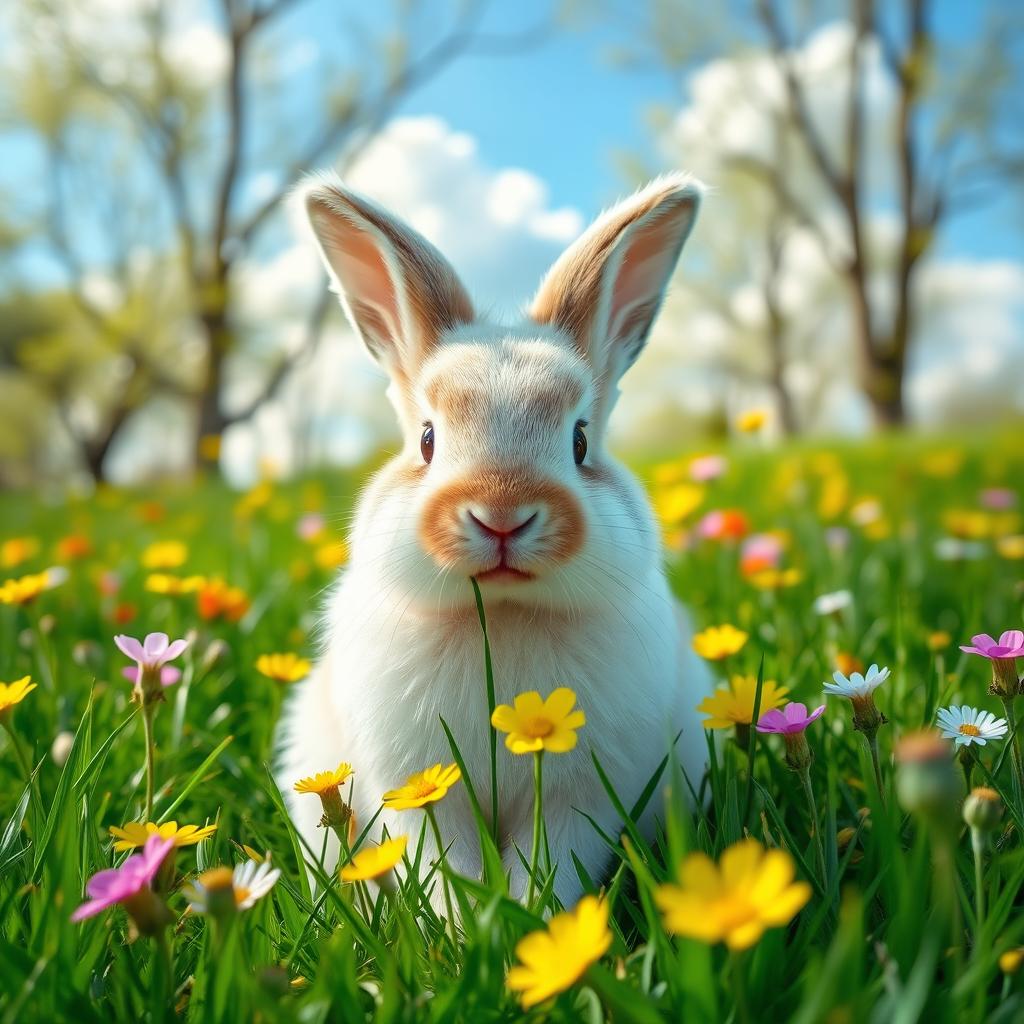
x: 503, y: 476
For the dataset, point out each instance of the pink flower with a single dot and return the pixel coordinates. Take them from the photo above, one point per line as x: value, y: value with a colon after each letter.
x: 169, y: 675
x: 310, y: 526
x: 151, y: 654
x: 790, y: 719
x: 997, y: 498
x: 1010, y: 645
x: 707, y: 467
x: 124, y: 884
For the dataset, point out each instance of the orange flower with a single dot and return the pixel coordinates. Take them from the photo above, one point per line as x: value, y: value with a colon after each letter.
x: 73, y: 546
x: 216, y: 600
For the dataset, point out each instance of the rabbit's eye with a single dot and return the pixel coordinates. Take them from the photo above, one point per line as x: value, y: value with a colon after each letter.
x: 427, y: 442
x: 579, y: 443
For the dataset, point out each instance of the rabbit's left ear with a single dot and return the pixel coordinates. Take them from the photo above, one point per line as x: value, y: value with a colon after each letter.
x: 606, y: 289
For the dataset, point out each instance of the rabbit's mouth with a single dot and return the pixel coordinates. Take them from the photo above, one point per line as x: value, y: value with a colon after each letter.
x: 503, y: 573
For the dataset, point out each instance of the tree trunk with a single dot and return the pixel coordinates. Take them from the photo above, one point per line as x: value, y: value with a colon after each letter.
x: 210, y: 419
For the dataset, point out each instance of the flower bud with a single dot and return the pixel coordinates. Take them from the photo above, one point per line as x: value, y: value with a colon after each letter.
x: 219, y: 884
x: 926, y: 779
x: 983, y: 809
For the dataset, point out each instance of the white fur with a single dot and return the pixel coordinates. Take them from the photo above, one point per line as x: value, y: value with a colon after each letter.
x: 403, y: 647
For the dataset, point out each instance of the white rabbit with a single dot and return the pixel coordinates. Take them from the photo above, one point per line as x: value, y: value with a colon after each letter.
x: 503, y: 476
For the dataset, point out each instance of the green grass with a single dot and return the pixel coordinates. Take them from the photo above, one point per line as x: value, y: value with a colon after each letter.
x: 890, y: 934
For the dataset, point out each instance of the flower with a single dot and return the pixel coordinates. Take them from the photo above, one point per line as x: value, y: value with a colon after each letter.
x: 1011, y: 547
x: 73, y: 546
x: 423, y: 788
x: 791, y: 719
x: 832, y: 604
x: 28, y: 588
x: 926, y: 778
x: 221, y: 891
x: 135, y: 834
x: 751, y: 421
x: 707, y: 467
x: 983, y: 809
x: 997, y: 498
x: 374, y: 861
x: 1003, y: 655
x: 164, y: 583
x: 283, y: 668
x: 723, y: 524
x: 534, y: 724
x: 311, y: 527
x: 775, y: 579
x: 14, y: 693
x: 734, y: 704
x: 165, y: 554
x: 556, y: 957
x: 848, y: 663
x: 676, y: 503
x: 151, y: 656
x: 331, y: 555
x: 938, y: 640
x: 16, y: 550
x: 215, y: 600
x: 323, y: 781
x: 130, y: 884
x: 856, y: 685
x: 1010, y: 962
x: 734, y: 901
x: 761, y: 551
x: 966, y: 725
x: 718, y: 642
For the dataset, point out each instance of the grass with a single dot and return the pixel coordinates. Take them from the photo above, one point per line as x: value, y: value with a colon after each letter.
x: 890, y: 932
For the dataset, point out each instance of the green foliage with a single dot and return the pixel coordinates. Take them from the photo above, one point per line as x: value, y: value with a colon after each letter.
x: 890, y: 933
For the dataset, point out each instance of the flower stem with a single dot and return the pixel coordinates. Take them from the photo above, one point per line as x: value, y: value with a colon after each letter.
x: 978, y: 846
x: 812, y: 810
x: 739, y: 987
x: 538, y: 822
x: 444, y: 877
x: 1015, y: 752
x: 147, y: 728
x: 872, y: 742
x: 19, y: 752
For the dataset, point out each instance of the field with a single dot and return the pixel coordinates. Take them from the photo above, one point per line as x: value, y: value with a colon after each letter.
x: 903, y: 912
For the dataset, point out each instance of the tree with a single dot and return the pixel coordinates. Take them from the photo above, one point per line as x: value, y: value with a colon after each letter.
x: 857, y: 128
x: 168, y: 136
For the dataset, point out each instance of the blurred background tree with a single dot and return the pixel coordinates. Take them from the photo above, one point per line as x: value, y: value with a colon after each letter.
x: 167, y: 146
x: 840, y: 140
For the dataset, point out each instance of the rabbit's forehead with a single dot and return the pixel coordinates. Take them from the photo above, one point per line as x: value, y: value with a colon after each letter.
x: 472, y: 382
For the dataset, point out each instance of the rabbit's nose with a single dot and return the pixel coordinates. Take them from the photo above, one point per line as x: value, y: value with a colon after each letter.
x: 502, y: 525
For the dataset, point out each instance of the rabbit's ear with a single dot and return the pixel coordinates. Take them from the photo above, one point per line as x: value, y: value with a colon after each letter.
x: 398, y: 291
x: 606, y: 288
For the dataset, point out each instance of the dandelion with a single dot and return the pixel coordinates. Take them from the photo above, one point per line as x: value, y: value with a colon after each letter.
x: 175, y: 586
x: 749, y: 890
x: 150, y: 656
x: 677, y: 503
x: 733, y: 704
x: 327, y: 785
x: 26, y: 589
x: 718, y: 642
x: 965, y: 725
x: 867, y: 719
x: 131, y: 885
x: 11, y: 695
x: 555, y: 958
x: 165, y: 554
x: 283, y: 668
x: 375, y: 861
x: 776, y: 579
x: 221, y: 892
x: 535, y: 725
x: 751, y: 421
x: 791, y: 723
x: 134, y: 834
x: 423, y: 788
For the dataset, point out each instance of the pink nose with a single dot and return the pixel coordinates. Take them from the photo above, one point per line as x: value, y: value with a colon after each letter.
x: 494, y: 524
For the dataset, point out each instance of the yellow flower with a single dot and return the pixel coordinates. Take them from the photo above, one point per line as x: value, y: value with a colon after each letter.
x: 1010, y: 961
x: 374, y: 861
x: 17, y: 550
x: 423, y: 788
x: 15, y: 693
x: 535, y: 724
x: 675, y: 504
x: 835, y: 495
x: 165, y: 554
x: 332, y: 555
x: 939, y: 640
x: 162, y: 583
x: 284, y: 668
x: 943, y: 464
x: 775, y: 579
x: 734, y: 901
x: 1011, y: 547
x: 134, y: 834
x: 751, y: 421
x: 323, y: 781
x: 28, y: 588
x: 556, y: 957
x: 717, y: 642
x: 734, y: 704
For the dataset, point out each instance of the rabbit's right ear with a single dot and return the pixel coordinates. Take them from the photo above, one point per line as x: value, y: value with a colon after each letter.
x: 399, y: 292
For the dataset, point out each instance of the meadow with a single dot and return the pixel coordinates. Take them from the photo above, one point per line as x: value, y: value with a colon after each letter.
x: 811, y: 883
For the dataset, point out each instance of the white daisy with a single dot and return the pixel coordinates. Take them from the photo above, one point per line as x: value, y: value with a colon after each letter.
x: 968, y: 725
x: 857, y: 685
x: 248, y: 882
x: 829, y: 604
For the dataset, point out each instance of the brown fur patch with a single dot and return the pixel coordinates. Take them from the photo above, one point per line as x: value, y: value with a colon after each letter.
x: 442, y: 531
